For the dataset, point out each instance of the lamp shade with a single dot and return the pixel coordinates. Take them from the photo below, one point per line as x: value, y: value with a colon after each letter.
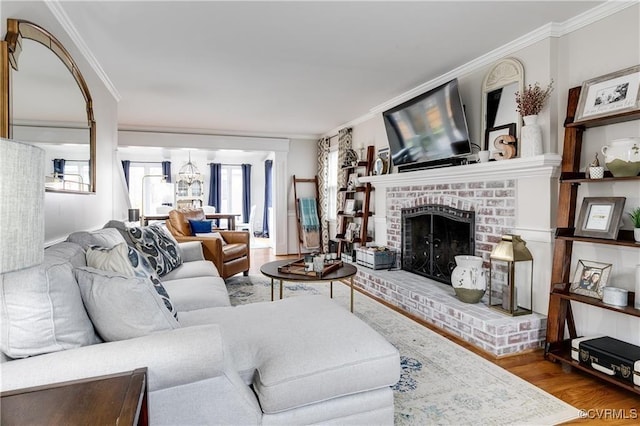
x: 21, y: 205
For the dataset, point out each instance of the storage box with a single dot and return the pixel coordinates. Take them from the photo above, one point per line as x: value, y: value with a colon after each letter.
x: 609, y: 356
x: 375, y: 257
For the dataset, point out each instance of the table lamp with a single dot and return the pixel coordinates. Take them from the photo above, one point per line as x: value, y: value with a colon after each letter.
x: 21, y: 205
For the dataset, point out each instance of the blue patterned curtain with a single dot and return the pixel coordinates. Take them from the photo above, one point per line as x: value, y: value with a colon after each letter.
x: 58, y: 167
x: 125, y: 169
x: 166, y: 170
x: 268, y: 166
x: 246, y: 192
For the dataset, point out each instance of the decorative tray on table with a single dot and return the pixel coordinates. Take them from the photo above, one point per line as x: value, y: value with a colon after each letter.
x: 298, y: 267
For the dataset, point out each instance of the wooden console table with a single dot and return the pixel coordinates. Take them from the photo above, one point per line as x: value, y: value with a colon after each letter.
x: 114, y: 399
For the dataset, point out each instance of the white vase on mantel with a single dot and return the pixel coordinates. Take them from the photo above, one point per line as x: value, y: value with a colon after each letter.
x: 530, y: 137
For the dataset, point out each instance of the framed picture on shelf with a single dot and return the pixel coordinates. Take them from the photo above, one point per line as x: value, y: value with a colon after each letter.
x: 590, y: 278
x: 500, y: 141
x: 349, y: 206
x: 610, y: 94
x: 600, y: 217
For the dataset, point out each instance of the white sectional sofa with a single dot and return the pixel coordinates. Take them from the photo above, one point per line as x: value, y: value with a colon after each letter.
x: 301, y: 360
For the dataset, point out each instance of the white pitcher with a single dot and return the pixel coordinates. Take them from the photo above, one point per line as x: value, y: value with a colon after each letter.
x: 469, y: 273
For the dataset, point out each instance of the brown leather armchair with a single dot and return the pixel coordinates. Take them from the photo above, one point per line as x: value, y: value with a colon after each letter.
x: 230, y: 259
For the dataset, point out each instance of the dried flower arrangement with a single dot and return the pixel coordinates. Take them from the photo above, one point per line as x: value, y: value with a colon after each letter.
x: 532, y: 99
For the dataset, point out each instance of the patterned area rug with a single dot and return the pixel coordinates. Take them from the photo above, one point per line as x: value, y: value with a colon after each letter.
x: 441, y: 382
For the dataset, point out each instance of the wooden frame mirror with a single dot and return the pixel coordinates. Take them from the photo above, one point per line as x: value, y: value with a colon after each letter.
x: 500, y: 84
x: 34, y: 111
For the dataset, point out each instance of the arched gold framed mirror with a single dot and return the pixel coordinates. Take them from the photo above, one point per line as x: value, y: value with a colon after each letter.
x: 42, y: 105
x: 499, y: 113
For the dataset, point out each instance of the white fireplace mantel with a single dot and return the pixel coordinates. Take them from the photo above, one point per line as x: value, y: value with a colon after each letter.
x: 542, y: 166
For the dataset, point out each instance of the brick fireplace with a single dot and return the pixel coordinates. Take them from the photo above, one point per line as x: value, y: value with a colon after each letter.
x: 513, y: 196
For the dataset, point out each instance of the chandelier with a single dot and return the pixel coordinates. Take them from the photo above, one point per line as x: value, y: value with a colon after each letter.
x: 189, y: 172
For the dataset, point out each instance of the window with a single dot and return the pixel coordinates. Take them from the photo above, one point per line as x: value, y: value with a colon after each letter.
x: 76, y: 175
x: 332, y: 184
x: 137, y: 171
x: 231, y: 189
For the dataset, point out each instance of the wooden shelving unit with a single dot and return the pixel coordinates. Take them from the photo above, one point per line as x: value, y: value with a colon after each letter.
x: 360, y: 194
x: 560, y: 313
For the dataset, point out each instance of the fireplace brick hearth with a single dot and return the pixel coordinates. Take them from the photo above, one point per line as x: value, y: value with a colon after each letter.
x: 514, y: 196
x: 437, y: 304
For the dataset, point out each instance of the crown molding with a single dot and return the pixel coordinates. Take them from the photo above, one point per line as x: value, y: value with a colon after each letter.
x: 550, y: 30
x: 213, y: 132
x: 61, y: 16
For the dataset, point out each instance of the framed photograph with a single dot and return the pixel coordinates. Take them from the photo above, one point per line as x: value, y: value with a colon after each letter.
x: 495, y: 139
x: 600, y: 217
x: 349, y: 206
x: 609, y: 94
x: 590, y: 278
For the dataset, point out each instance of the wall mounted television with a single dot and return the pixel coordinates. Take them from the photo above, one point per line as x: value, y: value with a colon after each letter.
x: 429, y: 130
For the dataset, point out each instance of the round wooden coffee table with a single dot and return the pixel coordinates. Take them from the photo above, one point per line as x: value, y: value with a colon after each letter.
x: 271, y: 270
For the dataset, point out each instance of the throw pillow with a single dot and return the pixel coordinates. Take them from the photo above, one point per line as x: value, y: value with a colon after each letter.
x: 198, y: 226
x: 42, y: 309
x: 122, y: 307
x: 213, y: 235
x: 158, y: 247
x: 129, y: 262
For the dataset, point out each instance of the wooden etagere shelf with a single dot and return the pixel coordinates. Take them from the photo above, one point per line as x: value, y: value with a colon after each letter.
x: 361, y: 193
x: 560, y: 314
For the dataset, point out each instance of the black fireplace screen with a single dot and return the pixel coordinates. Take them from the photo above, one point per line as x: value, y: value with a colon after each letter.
x: 432, y: 235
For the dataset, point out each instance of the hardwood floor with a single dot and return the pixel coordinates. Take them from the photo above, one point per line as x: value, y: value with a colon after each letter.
x: 603, y: 403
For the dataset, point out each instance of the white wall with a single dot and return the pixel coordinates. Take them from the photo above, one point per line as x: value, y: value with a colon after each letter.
x: 65, y: 213
x: 605, y: 46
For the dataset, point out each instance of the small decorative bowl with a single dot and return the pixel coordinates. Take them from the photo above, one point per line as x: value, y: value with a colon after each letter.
x: 468, y: 295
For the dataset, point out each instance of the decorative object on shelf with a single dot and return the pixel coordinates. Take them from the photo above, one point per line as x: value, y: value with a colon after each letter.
x: 635, y: 221
x: 511, y: 276
x: 382, y: 165
x: 609, y: 94
x: 349, y: 206
x: 529, y: 103
x: 622, y: 157
x: 615, y: 296
x: 134, y: 215
x: 483, y: 156
x: 600, y: 217
x: 469, y: 279
x: 350, y: 158
x: 353, y: 182
x: 594, y: 169
x: 189, y: 172
x: 499, y: 146
x: 609, y: 356
x: 590, y: 278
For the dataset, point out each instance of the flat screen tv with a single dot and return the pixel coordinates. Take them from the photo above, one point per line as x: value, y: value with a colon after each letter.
x: 428, y: 129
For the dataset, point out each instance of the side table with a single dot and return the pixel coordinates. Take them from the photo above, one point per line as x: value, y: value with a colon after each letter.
x: 114, y: 399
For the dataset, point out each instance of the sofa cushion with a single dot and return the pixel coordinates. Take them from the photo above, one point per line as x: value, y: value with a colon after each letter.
x: 198, y: 226
x: 158, y: 246
x: 348, y: 356
x: 197, y: 268
x: 41, y: 309
x: 105, y: 237
x: 188, y: 294
x: 122, y: 307
x: 129, y: 262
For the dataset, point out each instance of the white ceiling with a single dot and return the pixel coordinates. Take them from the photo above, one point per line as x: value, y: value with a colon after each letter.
x: 288, y: 68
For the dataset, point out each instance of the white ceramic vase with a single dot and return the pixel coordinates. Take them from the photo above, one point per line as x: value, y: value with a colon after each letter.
x: 636, y: 234
x: 530, y: 137
x: 622, y: 157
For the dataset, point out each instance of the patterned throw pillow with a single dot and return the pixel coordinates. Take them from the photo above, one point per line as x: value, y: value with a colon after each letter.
x: 158, y: 247
x: 129, y: 262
